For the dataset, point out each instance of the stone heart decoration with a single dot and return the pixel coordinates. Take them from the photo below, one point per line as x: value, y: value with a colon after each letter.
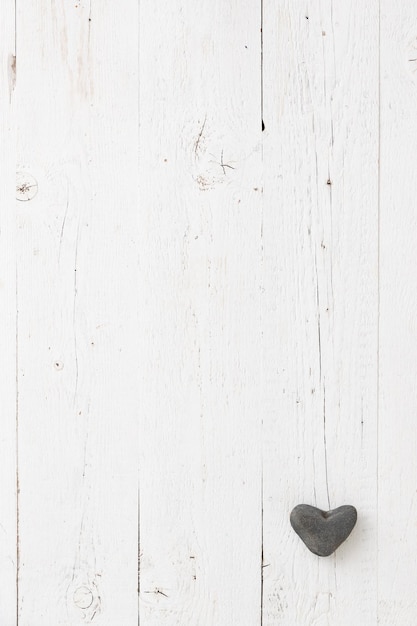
x: 323, y: 531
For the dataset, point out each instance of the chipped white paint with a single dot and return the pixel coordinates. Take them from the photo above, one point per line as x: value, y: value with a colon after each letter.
x: 205, y: 323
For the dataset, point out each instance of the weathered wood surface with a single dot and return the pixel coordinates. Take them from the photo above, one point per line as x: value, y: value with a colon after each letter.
x: 321, y: 304
x: 8, y: 326
x: 207, y: 288
x: 397, y: 432
x: 201, y: 209
x: 79, y: 302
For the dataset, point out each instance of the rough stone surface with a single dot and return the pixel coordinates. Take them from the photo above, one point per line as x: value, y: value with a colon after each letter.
x: 323, y: 531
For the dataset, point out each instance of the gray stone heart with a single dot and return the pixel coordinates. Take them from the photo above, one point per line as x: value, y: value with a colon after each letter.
x: 323, y: 531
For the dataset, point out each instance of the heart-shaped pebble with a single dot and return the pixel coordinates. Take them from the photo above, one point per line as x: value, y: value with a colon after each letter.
x: 323, y: 531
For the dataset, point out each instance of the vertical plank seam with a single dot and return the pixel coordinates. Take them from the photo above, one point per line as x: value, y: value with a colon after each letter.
x: 138, y: 58
x: 15, y: 27
x: 139, y: 551
x: 262, y: 545
x: 378, y: 309
x: 17, y: 447
x: 262, y: 66
x: 261, y: 237
x: 17, y: 482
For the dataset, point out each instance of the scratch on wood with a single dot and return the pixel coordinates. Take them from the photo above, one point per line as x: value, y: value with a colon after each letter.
x: 86, y: 445
x: 223, y: 165
x: 325, y: 443
x: 62, y: 228
x: 157, y: 592
x: 200, y: 134
x: 74, y: 314
x: 314, y: 482
x: 318, y: 314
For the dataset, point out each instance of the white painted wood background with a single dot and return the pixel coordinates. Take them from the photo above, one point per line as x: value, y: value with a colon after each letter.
x: 205, y: 323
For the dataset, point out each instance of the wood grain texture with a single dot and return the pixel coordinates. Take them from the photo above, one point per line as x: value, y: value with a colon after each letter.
x: 78, y: 299
x: 207, y: 289
x: 320, y: 303
x: 201, y: 189
x: 8, y: 484
x: 397, y: 443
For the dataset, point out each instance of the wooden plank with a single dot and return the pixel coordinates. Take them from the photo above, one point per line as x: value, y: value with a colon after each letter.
x: 78, y: 291
x: 200, y: 174
x: 397, y: 511
x: 8, y: 390
x: 320, y: 303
